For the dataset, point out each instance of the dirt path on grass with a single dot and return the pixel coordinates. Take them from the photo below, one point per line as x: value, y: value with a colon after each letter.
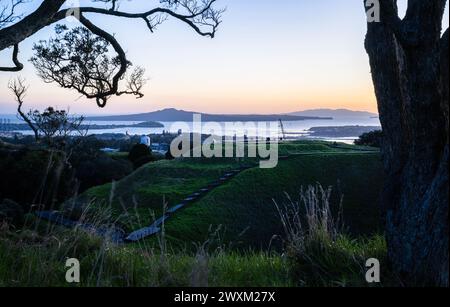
x: 117, y: 235
x: 156, y: 226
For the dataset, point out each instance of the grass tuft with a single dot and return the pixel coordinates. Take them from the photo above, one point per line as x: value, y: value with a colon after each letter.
x: 319, y: 252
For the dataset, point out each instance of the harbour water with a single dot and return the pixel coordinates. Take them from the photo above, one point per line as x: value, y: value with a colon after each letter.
x: 293, y: 129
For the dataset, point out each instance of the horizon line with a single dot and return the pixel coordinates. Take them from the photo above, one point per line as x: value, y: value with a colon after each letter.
x: 200, y: 112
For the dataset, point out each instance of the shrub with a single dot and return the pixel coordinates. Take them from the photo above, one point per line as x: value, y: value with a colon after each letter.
x: 35, y: 176
x: 84, y: 148
x: 140, y: 155
x: 169, y: 156
x: 11, y: 213
x: 101, y: 170
x: 372, y: 139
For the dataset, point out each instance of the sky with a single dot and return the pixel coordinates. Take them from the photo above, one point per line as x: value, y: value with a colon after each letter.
x: 269, y: 56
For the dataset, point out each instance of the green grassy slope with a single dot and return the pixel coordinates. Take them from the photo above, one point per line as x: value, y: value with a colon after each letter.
x: 247, y: 200
x: 136, y: 198
x: 246, y: 203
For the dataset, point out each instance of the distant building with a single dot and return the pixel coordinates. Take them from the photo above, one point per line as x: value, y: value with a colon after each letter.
x: 145, y: 140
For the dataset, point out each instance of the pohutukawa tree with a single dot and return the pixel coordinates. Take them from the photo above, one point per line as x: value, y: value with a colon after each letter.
x: 80, y: 58
x: 409, y: 61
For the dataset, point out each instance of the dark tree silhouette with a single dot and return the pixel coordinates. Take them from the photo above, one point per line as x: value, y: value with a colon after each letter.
x: 87, y: 67
x: 52, y: 125
x: 56, y: 125
x: 372, y: 139
x: 409, y: 61
x: 77, y: 59
x: 19, y: 90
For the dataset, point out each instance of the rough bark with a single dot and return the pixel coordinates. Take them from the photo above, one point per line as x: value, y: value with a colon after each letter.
x: 409, y: 62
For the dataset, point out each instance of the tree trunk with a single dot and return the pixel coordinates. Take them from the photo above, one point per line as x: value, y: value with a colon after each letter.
x: 409, y: 62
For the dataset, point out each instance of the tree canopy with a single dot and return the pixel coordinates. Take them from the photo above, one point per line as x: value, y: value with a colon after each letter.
x: 81, y: 58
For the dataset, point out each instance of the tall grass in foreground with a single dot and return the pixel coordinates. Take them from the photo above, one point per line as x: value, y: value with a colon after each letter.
x: 31, y: 260
x: 36, y: 255
x: 319, y: 251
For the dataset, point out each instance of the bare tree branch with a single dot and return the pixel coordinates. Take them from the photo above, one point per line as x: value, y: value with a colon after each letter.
x: 19, y: 89
x: 94, y: 82
x: 135, y: 82
x: 199, y: 15
x: 15, y: 58
x: 8, y: 12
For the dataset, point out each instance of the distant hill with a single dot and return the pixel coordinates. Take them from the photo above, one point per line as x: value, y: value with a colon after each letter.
x: 173, y: 115
x: 334, y: 113
x: 26, y: 127
x: 340, y: 132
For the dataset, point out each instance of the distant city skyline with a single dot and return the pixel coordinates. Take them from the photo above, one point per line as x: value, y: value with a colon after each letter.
x: 268, y: 57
